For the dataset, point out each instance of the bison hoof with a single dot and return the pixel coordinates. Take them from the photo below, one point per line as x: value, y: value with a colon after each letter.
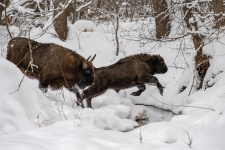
x: 135, y: 93
x: 80, y: 104
x: 89, y: 106
x: 161, y: 91
x: 44, y: 90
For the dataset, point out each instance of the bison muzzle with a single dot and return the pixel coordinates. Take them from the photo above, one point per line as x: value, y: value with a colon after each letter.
x: 135, y: 70
x: 55, y: 66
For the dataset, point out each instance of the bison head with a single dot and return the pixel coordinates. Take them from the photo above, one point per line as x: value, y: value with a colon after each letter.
x: 160, y: 65
x: 86, y: 73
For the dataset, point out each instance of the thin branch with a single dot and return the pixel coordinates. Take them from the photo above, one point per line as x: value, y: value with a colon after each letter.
x: 176, y: 67
x: 19, y: 84
x: 84, y: 6
x: 7, y: 26
x: 3, y: 5
x: 30, y: 64
x: 182, y: 105
x: 62, y: 71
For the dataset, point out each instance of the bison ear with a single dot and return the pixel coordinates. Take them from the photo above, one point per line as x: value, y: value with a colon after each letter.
x: 155, y: 59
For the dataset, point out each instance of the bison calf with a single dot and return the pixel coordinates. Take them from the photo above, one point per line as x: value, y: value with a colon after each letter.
x: 52, y: 64
x: 136, y: 70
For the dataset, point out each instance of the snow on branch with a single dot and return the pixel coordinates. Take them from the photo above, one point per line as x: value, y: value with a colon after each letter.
x: 84, y: 6
x: 63, y: 8
x: 3, y: 5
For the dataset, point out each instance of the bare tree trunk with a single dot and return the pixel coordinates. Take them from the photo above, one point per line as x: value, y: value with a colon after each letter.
x: 200, y: 58
x: 7, y: 24
x: 126, y: 10
x: 44, y: 4
x: 162, y: 18
x: 99, y: 4
x: 202, y: 65
x: 74, y: 11
x: 218, y: 9
x: 60, y: 22
x: 6, y: 4
x: 132, y: 9
x: 198, y: 44
x: 117, y: 28
x: 1, y: 10
x: 187, y: 14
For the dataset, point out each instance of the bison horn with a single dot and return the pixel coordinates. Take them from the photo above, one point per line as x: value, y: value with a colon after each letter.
x: 93, y: 58
x: 88, y: 58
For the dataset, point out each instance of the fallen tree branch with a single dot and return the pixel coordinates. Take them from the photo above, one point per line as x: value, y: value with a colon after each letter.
x: 19, y: 84
x: 179, y: 105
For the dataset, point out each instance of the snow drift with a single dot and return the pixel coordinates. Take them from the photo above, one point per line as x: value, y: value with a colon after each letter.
x: 23, y: 109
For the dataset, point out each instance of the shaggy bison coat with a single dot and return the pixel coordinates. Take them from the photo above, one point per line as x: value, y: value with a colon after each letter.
x: 136, y: 70
x: 52, y: 64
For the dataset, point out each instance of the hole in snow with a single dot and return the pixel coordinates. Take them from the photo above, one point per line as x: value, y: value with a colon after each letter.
x: 155, y: 114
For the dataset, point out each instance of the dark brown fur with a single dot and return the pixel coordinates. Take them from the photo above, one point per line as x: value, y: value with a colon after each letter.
x: 55, y: 66
x: 135, y: 70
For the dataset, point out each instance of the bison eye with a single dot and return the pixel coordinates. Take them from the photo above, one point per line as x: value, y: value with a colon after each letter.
x: 87, y: 71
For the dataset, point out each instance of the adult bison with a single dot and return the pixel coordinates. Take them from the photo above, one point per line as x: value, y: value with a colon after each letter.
x: 136, y: 70
x: 52, y: 64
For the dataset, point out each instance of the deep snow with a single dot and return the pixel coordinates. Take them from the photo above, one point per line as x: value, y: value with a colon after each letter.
x: 33, y: 120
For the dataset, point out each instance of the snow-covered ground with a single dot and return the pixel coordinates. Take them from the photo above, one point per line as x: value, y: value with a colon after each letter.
x: 30, y: 119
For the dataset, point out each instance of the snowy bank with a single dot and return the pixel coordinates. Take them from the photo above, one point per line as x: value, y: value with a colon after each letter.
x: 200, y: 124
x: 23, y: 109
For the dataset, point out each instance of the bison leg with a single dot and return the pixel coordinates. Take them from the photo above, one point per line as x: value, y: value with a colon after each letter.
x: 91, y: 92
x: 43, y: 84
x: 152, y: 80
x: 89, y: 102
x: 43, y: 80
x: 43, y: 88
x: 117, y: 91
x: 79, y: 100
x: 141, y: 88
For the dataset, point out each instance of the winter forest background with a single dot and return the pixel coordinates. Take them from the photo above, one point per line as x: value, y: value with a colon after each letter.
x: 188, y: 34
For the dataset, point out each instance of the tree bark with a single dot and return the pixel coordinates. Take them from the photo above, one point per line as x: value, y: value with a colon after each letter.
x: 74, y: 11
x: 218, y: 9
x: 60, y: 23
x: 117, y: 28
x: 7, y: 24
x: 1, y: 10
x: 187, y: 14
x: 198, y: 44
x: 44, y: 5
x: 162, y: 18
